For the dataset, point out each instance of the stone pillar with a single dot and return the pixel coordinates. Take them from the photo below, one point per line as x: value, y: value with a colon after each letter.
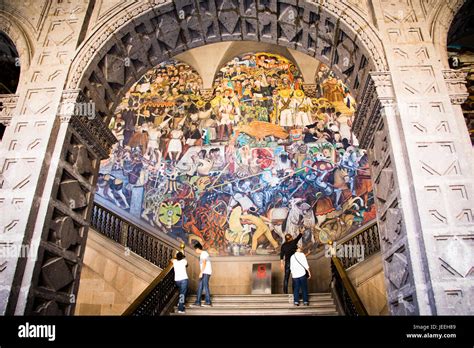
x: 422, y: 168
x: 49, y: 155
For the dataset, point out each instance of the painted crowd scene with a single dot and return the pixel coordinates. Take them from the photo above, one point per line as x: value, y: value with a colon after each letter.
x: 239, y: 168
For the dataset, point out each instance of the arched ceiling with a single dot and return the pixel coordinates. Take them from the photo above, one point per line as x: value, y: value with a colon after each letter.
x: 150, y: 34
x: 207, y: 60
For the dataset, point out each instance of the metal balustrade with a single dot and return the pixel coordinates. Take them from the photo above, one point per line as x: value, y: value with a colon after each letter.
x: 155, y: 298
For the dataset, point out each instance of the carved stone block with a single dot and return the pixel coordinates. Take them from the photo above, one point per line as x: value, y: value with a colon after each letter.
x: 72, y: 194
x: 114, y: 69
x: 64, y: 234
x: 398, y: 270
x: 49, y: 308
x: 456, y: 256
x: 392, y: 225
x: 56, y: 274
x: 169, y: 31
x: 80, y: 159
x: 380, y: 146
x: 384, y: 187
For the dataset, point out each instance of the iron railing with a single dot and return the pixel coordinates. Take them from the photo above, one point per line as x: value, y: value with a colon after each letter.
x: 156, y: 297
x: 131, y: 236
x: 345, y: 291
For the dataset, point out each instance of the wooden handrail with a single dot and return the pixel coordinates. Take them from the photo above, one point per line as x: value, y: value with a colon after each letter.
x: 368, y: 236
x: 145, y: 293
x: 347, y: 284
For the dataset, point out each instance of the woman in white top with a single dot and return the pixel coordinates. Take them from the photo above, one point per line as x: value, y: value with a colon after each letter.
x: 181, y: 279
x: 298, y: 267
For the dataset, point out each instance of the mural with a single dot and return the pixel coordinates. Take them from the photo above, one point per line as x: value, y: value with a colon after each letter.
x: 238, y: 170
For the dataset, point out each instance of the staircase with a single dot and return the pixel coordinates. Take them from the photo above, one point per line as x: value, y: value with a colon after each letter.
x: 275, y: 304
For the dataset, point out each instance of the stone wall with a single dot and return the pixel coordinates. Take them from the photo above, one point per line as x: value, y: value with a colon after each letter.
x: 368, y: 279
x: 111, y: 278
x: 96, y: 51
x: 233, y: 275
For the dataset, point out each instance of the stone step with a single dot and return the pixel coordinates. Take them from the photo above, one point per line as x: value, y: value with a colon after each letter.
x: 261, y: 298
x: 272, y: 304
x: 265, y: 305
x: 259, y: 311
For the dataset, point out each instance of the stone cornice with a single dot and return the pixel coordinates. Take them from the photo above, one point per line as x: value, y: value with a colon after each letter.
x: 377, y: 93
x: 456, y: 84
x: 9, y: 102
x: 92, y: 130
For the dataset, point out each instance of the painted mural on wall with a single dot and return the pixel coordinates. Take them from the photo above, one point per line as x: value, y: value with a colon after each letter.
x: 240, y: 168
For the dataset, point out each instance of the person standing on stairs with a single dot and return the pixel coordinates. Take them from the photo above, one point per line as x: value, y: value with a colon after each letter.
x: 288, y: 248
x: 204, y: 275
x: 181, y: 279
x: 300, y: 274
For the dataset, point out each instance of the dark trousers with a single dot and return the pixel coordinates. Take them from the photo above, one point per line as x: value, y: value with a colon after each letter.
x: 204, y: 285
x: 183, y: 288
x: 300, y: 283
x: 287, y: 277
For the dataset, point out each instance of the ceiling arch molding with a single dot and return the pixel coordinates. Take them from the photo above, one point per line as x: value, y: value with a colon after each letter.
x: 441, y: 22
x: 115, y: 56
x: 12, y: 27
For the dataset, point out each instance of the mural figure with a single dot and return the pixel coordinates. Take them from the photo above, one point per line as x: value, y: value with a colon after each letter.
x: 237, y: 171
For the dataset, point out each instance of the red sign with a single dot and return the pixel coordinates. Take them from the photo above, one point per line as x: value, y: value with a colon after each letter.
x: 261, y: 271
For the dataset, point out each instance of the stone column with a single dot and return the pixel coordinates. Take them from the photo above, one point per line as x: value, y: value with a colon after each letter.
x: 49, y: 155
x: 422, y: 169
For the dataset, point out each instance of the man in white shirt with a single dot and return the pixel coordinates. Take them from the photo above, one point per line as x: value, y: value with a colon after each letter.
x: 298, y: 267
x: 181, y: 279
x: 204, y: 275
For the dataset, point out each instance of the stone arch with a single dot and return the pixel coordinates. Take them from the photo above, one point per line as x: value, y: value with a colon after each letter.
x: 11, y: 26
x: 105, y: 65
x: 440, y: 24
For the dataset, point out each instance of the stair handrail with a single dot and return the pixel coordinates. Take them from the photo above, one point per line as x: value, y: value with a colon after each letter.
x: 138, y: 238
x: 156, y: 296
x: 345, y: 291
x: 368, y: 236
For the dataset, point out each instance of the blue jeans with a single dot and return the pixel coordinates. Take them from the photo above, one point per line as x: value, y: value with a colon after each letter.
x: 183, y: 288
x: 204, y: 285
x: 301, y: 282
